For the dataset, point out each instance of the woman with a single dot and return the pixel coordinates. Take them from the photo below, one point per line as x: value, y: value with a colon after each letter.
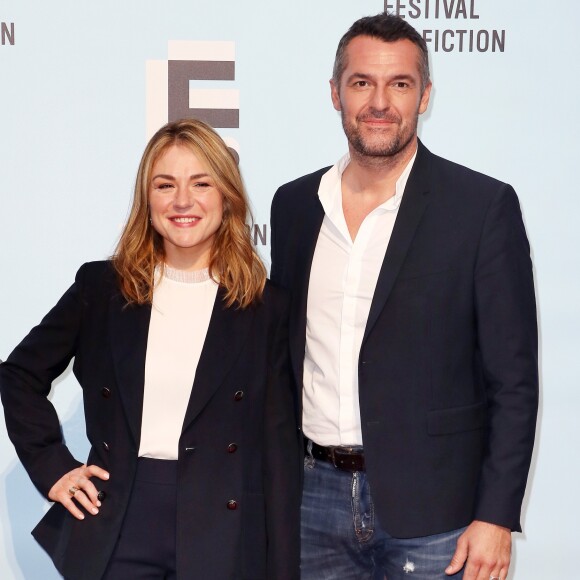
x: 180, y: 347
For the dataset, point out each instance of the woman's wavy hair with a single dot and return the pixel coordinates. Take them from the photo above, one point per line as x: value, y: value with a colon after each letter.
x: 234, y: 263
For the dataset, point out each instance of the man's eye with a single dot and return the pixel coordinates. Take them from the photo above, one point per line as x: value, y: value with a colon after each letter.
x: 361, y: 84
x: 402, y: 85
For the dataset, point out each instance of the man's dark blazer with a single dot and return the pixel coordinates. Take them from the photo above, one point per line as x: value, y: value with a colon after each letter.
x: 448, y: 381
x: 242, y: 394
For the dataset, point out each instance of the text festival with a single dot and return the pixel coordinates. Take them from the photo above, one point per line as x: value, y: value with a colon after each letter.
x: 449, y: 40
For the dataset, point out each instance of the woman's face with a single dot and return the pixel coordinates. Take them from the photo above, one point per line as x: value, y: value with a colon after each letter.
x: 186, y: 208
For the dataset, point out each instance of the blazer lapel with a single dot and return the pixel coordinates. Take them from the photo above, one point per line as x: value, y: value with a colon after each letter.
x: 415, y: 200
x: 305, y: 244
x: 129, y: 329
x: 226, y: 336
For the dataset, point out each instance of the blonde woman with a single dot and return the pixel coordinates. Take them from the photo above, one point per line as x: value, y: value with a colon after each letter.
x: 180, y: 347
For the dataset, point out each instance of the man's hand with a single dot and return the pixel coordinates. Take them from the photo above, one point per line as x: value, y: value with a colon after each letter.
x: 487, y: 550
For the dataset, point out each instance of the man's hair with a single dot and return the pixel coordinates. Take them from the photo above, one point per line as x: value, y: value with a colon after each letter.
x: 386, y: 27
x: 233, y: 262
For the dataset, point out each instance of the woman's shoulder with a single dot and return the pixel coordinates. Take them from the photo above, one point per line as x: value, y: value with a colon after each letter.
x: 97, y: 267
x: 96, y: 276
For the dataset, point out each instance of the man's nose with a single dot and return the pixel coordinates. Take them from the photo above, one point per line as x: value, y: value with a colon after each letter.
x: 380, y: 99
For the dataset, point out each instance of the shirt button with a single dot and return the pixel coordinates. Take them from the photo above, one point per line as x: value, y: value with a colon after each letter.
x: 232, y: 504
x: 106, y: 446
x: 106, y: 392
x: 101, y: 495
x: 239, y: 395
x: 232, y: 448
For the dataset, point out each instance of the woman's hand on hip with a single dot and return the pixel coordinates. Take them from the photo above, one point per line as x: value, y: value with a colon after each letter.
x: 76, y: 487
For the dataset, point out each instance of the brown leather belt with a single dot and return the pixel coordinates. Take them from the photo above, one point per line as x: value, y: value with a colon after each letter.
x: 344, y: 458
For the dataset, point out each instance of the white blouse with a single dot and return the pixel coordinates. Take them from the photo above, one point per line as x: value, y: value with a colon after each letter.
x: 180, y: 315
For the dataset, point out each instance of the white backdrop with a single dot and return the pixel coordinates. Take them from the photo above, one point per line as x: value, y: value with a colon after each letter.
x: 83, y: 83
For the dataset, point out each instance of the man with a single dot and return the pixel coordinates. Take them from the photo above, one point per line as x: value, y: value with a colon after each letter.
x: 413, y: 334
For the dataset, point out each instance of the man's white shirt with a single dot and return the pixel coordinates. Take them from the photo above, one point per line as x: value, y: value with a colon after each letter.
x: 343, y: 278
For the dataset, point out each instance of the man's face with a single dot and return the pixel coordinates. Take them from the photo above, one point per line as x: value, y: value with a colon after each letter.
x: 379, y: 97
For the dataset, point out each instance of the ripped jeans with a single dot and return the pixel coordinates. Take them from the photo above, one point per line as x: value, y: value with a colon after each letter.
x: 342, y: 538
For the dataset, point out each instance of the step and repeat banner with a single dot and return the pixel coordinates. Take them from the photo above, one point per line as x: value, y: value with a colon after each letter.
x: 83, y: 85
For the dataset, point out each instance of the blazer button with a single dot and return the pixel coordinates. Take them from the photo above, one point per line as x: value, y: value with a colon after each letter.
x: 239, y: 395
x: 106, y: 446
x: 232, y: 448
x: 232, y: 504
x: 106, y: 392
x: 101, y: 495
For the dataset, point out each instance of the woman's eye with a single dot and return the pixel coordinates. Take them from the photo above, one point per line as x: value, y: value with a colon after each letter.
x: 164, y: 186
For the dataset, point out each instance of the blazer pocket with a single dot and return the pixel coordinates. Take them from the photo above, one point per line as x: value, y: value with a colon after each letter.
x: 456, y: 419
x: 413, y: 272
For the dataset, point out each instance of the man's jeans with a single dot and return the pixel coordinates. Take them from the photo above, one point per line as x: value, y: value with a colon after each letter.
x: 342, y: 538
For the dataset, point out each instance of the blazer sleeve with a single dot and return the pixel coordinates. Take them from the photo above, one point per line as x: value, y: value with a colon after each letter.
x: 508, y: 342
x: 282, y: 460
x: 25, y: 383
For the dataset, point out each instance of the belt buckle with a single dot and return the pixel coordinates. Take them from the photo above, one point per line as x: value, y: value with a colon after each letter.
x: 343, y: 454
x: 332, y: 451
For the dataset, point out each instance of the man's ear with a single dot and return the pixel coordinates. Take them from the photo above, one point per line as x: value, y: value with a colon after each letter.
x: 424, y: 102
x: 334, y: 95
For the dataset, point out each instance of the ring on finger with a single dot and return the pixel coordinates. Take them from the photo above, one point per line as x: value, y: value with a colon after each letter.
x: 72, y: 490
x: 495, y: 577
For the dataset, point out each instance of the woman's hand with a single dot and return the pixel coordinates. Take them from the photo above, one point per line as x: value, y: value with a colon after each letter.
x: 77, y: 484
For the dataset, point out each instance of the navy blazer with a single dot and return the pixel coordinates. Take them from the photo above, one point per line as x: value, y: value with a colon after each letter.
x: 448, y: 368
x: 242, y: 393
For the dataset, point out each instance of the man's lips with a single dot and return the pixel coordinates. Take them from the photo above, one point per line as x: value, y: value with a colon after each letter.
x: 378, y: 121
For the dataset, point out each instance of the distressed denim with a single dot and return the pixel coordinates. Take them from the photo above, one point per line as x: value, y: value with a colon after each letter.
x: 342, y: 538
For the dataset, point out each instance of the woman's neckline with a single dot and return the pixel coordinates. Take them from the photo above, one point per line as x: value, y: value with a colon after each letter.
x: 186, y: 276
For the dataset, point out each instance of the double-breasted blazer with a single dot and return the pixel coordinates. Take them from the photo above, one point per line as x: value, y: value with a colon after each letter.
x: 242, y: 393
x: 448, y: 374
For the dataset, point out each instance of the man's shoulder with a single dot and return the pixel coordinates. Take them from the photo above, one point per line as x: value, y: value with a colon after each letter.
x: 275, y: 295
x: 305, y: 183
x: 447, y: 170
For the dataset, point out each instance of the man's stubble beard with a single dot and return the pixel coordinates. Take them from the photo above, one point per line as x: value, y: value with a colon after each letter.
x: 386, y: 148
